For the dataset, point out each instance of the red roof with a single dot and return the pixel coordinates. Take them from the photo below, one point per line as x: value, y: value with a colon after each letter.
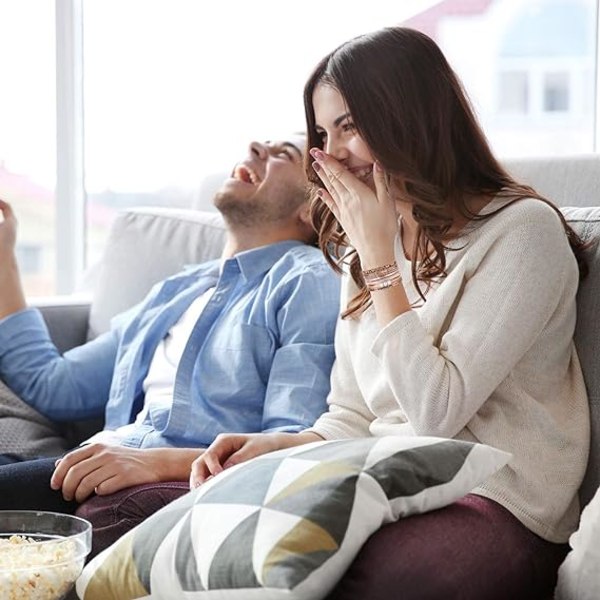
x: 427, y: 21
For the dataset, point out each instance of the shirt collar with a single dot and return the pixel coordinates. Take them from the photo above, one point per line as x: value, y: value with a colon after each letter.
x: 258, y: 261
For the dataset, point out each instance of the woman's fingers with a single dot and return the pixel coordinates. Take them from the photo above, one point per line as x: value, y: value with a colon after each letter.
x: 381, y: 189
x: 336, y: 178
x: 324, y: 178
x: 211, y: 461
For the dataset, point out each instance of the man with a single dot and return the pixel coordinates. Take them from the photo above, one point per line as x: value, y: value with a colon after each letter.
x: 242, y: 344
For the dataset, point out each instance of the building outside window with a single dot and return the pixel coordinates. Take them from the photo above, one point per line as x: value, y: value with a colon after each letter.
x: 556, y: 92
x: 513, y: 92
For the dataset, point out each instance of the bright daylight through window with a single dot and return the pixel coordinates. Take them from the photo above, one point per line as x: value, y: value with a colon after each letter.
x: 173, y: 89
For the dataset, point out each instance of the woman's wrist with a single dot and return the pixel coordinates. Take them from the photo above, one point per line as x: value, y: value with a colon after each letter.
x: 289, y: 440
x: 174, y: 464
x: 376, y: 262
x: 308, y: 437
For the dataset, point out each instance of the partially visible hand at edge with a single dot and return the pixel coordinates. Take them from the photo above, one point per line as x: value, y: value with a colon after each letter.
x: 12, y: 297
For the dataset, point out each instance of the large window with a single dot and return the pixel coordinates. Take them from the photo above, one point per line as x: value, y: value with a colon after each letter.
x: 183, y: 86
x: 27, y: 134
x: 174, y: 89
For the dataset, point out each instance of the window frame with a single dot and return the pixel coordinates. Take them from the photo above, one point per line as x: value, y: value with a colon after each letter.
x: 70, y: 180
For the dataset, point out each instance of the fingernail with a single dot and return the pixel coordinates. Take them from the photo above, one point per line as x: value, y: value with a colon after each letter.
x: 316, y: 166
x: 318, y: 154
x: 320, y: 193
x: 377, y: 167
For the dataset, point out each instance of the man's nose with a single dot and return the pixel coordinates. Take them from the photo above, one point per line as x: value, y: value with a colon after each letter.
x: 259, y: 150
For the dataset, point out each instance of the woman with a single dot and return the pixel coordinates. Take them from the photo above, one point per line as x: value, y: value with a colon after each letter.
x: 459, y: 319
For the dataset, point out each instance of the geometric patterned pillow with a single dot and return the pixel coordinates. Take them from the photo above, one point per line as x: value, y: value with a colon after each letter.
x: 285, y: 525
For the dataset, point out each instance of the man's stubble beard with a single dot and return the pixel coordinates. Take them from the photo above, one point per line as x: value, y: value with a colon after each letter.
x: 236, y: 212
x: 257, y: 211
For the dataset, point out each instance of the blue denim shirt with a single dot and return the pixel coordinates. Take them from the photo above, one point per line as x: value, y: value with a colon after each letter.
x: 258, y: 358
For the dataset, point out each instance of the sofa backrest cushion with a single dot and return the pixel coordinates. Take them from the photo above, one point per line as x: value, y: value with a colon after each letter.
x: 566, y: 180
x: 144, y: 246
x: 204, y: 196
x: 586, y: 222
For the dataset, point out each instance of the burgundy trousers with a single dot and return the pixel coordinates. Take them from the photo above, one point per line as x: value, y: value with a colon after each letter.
x: 473, y: 549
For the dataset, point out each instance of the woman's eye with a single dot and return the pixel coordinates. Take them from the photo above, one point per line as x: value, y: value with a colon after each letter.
x: 348, y: 127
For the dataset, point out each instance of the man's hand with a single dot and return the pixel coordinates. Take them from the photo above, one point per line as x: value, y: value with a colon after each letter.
x: 12, y: 298
x: 230, y: 449
x: 107, y: 469
x: 8, y: 230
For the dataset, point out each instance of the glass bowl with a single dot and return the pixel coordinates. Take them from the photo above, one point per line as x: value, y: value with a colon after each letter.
x: 41, y: 553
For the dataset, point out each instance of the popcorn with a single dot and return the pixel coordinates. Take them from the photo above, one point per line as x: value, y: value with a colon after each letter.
x: 30, y: 570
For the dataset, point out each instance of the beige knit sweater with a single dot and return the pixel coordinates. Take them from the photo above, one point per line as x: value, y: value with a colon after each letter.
x: 489, y: 357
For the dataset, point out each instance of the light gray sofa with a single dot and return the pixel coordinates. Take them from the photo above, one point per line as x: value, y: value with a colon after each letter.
x: 148, y: 244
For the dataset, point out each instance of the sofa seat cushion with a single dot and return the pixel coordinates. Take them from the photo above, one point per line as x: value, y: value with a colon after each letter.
x: 286, y: 524
x: 473, y: 549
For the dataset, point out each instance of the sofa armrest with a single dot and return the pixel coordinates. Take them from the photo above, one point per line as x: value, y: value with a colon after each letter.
x: 67, y: 319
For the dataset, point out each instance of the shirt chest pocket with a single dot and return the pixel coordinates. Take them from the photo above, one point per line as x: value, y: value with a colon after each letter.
x: 243, y: 350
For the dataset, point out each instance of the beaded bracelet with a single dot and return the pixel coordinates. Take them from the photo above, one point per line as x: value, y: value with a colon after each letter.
x: 378, y: 270
x: 381, y: 278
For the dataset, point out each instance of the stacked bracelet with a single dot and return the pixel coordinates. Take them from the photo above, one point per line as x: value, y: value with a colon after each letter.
x: 380, y: 278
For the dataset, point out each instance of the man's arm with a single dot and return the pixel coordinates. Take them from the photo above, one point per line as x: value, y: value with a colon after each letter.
x: 72, y: 386
x: 62, y: 388
x: 299, y: 378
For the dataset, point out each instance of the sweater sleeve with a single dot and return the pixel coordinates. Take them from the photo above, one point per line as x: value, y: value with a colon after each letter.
x: 526, y: 272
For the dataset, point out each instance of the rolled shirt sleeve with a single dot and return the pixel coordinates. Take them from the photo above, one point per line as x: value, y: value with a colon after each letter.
x: 61, y: 387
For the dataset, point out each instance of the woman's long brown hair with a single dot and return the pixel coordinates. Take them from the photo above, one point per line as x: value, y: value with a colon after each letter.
x: 410, y: 108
